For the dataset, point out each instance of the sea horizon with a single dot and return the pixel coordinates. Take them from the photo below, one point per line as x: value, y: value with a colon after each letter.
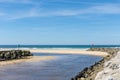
x: 59, y: 46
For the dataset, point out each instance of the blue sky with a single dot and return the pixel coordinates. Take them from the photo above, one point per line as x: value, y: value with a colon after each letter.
x: 60, y: 22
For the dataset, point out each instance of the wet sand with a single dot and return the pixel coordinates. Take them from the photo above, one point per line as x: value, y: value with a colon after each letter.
x: 27, y: 59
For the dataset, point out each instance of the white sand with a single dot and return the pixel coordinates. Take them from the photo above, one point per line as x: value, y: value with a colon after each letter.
x: 70, y: 51
x: 28, y: 59
x: 111, y: 69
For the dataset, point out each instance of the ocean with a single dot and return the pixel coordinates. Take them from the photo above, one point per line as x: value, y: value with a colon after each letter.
x: 57, y: 46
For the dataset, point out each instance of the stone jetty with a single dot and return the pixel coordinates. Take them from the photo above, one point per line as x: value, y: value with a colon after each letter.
x: 13, y: 54
x: 89, y: 73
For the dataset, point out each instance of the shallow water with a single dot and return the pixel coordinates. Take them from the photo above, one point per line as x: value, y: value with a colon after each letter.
x: 64, y: 67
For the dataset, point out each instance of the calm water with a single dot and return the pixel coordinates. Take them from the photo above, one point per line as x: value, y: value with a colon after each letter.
x: 64, y: 67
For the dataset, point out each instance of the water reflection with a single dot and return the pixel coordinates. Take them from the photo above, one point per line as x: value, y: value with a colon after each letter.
x: 62, y: 68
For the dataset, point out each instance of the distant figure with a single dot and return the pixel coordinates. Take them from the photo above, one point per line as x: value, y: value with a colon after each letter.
x: 92, y: 45
x: 18, y: 46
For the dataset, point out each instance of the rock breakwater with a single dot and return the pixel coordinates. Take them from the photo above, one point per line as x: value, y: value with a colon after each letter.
x: 111, y: 70
x: 89, y: 73
x: 14, y: 54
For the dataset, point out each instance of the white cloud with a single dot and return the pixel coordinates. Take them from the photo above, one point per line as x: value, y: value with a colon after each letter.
x: 103, y: 9
x: 18, y: 1
x: 76, y: 2
x: 26, y: 14
x: 36, y: 12
x: 106, y: 9
x: 2, y: 14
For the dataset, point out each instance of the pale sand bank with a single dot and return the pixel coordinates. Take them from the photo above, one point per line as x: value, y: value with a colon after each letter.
x: 69, y: 51
x: 28, y: 59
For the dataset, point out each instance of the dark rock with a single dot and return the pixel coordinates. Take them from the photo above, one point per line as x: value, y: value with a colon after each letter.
x: 14, y: 54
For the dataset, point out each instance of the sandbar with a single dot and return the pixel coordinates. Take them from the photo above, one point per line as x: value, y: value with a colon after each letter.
x: 70, y: 51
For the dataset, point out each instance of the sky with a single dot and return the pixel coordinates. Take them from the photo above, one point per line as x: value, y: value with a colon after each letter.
x: 63, y: 22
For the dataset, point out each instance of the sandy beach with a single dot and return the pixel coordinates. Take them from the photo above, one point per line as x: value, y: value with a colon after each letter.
x: 69, y: 51
x: 27, y: 59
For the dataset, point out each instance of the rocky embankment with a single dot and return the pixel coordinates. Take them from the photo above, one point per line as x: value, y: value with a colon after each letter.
x: 14, y: 54
x: 89, y: 73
